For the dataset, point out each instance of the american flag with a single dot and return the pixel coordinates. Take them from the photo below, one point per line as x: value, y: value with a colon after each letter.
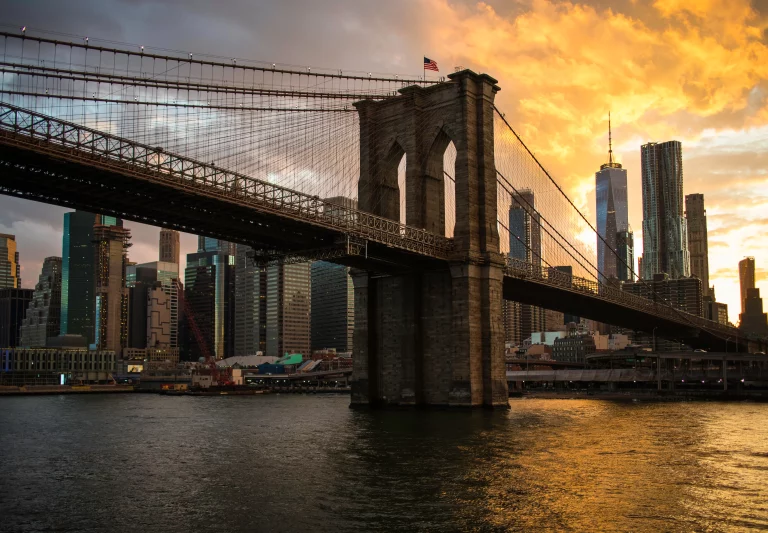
x: 429, y: 64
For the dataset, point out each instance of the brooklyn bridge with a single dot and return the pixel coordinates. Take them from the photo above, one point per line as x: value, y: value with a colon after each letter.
x: 405, y: 180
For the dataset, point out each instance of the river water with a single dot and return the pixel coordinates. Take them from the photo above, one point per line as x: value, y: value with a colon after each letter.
x: 308, y: 463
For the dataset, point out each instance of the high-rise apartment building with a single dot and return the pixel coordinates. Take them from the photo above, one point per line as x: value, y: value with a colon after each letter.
x: 10, y: 270
x: 13, y: 304
x: 696, y: 217
x: 250, y: 303
x: 288, y: 309
x: 746, y: 279
x: 111, y: 293
x: 210, y: 295
x: 333, y: 307
x: 665, y: 230
x: 612, y: 216
x: 43, y: 318
x: 170, y: 248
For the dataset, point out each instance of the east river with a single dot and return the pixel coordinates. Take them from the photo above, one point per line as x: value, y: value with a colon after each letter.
x: 308, y: 463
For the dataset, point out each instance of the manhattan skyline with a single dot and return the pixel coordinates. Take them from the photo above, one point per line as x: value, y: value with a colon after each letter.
x: 560, y: 78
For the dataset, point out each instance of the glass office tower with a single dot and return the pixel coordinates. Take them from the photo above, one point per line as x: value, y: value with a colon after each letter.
x: 612, y: 217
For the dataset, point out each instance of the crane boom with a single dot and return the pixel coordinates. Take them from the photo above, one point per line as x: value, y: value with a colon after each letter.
x: 209, y: 359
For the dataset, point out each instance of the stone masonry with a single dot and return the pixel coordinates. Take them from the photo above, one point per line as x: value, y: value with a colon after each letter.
x: 432, y: 337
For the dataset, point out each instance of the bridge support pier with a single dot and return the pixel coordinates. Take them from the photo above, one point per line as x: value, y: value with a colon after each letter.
x: 430, y: 338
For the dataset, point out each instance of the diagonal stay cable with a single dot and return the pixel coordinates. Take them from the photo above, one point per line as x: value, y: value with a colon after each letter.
x: 682, y: 314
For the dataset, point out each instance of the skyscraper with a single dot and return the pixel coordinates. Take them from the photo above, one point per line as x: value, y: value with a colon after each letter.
x: 288, y: 309
x: 168, y: 274
x: 139, y: 279
x: 43, y: 318
x: 566, y: 273
x: 696, y: 216
x: 210, y: 294
x: 210, y: 244
x: 753, y: 320
x: 746, y: 279
x: 665, y: 231
x: 612, y: 216
x: 332, y: 298
x: 250, y: 303
x: 714, y: 310
x: 625, y: 250
x: 111, y: 303
x: 10, y: 270
x: 333, y: 307
x: 520, y: 320
x: 77, y: 298
x: 170, y: 249
x: 525, y: 228
x: 158, y: 317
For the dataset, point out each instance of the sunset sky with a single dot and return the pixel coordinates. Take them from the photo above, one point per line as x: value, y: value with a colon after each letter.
x: 693, y: 71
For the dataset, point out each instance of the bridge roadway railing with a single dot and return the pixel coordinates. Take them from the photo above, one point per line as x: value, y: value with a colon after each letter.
x: 42, y: 133
x: 550, y: 276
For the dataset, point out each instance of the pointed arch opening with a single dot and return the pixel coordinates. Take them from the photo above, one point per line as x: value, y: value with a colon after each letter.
x: 390, y: 192
x: 449, y: 187
x: 441, y: 167
x: 401, y: 167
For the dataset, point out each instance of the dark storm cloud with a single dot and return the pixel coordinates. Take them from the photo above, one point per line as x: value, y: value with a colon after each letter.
x: 343, y: 34
x: 354, y: 35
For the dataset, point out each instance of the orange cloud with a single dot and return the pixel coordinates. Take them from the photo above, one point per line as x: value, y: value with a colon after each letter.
x: 688, y: 70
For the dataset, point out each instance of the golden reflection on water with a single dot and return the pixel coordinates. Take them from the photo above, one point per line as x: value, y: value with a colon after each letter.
x: 306, y: 463
x: 590, y: 465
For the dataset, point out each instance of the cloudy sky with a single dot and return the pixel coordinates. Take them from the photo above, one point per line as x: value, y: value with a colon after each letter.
x: 691, y: 70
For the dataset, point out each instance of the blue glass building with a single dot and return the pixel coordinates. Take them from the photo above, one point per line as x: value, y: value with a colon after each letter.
x: 210, y: 293
x: 612, y: 217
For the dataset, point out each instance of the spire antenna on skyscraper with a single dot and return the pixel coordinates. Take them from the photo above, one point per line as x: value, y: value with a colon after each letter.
x: 610, y: 163
x: 610, y: 146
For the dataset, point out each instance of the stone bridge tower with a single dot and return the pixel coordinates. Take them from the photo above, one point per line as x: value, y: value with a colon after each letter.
x: 432, y: 337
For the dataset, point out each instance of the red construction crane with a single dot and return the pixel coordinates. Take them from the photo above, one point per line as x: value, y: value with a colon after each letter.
x: 220, y: 377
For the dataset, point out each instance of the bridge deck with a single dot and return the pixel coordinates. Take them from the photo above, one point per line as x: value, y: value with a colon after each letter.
x: 62, y: 163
